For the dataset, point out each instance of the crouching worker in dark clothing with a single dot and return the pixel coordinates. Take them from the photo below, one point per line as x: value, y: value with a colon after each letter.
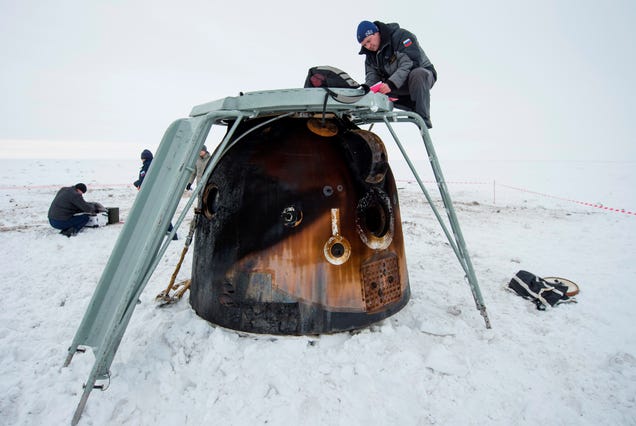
x: 395, y: 59
x: 69, y: 212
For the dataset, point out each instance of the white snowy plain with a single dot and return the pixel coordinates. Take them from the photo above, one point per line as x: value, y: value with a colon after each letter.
x: 434, y: 362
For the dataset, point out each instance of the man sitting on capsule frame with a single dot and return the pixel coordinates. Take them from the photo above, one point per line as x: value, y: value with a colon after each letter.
x: 397, y: 66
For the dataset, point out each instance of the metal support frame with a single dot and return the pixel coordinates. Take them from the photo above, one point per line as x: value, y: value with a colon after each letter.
x: 142, y: 243
x: 456, y: 241
x: 144, y: 237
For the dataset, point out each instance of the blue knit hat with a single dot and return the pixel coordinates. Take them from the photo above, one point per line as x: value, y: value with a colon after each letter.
x: 365, y: 29
x: 146, y: 154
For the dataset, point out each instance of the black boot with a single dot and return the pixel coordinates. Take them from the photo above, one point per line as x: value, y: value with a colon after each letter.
x: 69, y: 232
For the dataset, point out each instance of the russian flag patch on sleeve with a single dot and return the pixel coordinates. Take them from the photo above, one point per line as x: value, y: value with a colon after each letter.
x: 407, y: 42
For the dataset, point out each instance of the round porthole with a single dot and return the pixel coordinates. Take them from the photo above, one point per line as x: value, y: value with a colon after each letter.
x: 337, y: 250
x: 374, y: 219
x: 291, y: 216
x: 210, y: 200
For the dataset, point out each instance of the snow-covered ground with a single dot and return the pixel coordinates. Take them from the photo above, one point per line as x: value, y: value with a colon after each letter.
x: 432, y: 363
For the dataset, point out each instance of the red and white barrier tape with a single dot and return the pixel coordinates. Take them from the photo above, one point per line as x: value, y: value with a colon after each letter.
x: 595, y: 205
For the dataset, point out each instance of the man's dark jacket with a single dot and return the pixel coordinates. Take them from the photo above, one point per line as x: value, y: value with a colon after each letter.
x: 67, y: 203
x: 142, y: 173
x: 398, y: 54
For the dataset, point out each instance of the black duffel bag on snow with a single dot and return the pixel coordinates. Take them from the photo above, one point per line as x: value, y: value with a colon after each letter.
x: 540, y: 291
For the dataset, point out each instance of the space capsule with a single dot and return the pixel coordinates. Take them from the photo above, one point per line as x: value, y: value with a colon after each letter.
x: 300, y: 230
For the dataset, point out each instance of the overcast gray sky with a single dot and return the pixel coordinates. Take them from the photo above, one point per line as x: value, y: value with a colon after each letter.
x: 547, y: 79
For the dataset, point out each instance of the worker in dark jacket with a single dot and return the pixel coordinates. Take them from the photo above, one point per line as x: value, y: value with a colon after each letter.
x: 395, y: 59
x: 68, y: 202
x: 146, y: 160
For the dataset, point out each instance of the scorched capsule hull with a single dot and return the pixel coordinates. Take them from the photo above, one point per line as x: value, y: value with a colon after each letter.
x: 300, y: 231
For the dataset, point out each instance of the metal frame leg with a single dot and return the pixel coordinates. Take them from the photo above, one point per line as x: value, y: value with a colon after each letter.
x: 457, y: 241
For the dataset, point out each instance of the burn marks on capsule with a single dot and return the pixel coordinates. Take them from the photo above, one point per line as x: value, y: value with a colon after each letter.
x: 300, y: 232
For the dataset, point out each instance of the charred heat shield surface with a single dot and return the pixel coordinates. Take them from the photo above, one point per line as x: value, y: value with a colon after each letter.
x: 300, y: 231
